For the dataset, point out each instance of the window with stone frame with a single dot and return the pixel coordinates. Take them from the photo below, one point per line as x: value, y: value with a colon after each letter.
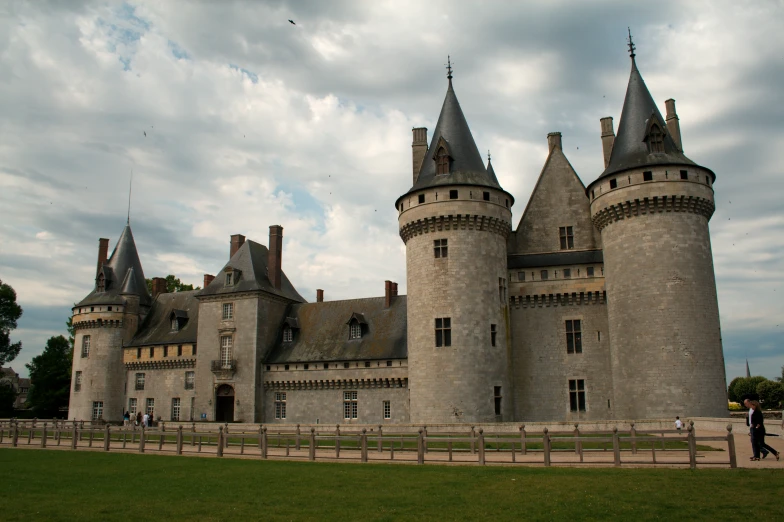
x: 577, y: 394
x: 229, y: 279
x: 442, y: 161
x: 78, y: 381
x: 574, y: 340
x: 440, y: 248
x: 355, y: 330
x: 387, y: 410
x: 175, y: 324
x: 150, y: 410
x: 521, y: 276
x: 86, y: 346
x: 589, y: 271
x: 280, y: 405
x: 175, y: 409
x: 132, y: 406
x: 443, y: 331
x: 655, y: 139
x: 97, y: 410
x: 493, y: 333
x: 497, y: 399
x: 288, y: 334
x: 226, y: 345
x: 228, y: 311
x: 350, y: 405
x: 179, y: 350
x: 139, y: 381
x: 566, y: 235
x: 544, y: 275
x: 567, y: 273
x: 190, y: 380
x: 101, y: 284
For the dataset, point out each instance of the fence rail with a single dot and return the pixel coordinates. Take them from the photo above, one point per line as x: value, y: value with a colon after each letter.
x: 665, y: 447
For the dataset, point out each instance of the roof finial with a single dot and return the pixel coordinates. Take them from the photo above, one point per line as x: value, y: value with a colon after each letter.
x: 631, y: 44
x: 449, y: 67
x: 130, y: 187
x: 488, y: 155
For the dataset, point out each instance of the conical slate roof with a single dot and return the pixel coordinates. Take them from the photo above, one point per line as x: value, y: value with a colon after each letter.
x: 491, y: 172
x: 123, y: 273
x: 630, y: 149
x: 466, y: 165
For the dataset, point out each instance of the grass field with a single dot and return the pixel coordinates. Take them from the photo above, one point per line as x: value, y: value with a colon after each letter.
x: 61, y: 485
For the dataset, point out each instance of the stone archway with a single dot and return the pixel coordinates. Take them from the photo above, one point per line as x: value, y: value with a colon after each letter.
x: 224, y: 403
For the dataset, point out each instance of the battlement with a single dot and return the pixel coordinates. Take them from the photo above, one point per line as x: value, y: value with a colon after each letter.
x: 336, y: 384
x: 651, y: 205
x: 560, y: 299
x: 455, y: 222
x: 98, y: 323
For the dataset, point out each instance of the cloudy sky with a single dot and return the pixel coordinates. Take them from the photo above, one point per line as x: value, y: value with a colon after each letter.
x: 252, y: 121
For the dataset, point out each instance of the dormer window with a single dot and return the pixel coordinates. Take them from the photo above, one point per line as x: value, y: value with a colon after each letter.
x: 655, y: 139
x: 442, y: 161
x: 229, y: 279
x: 175, y: 326
x: 288, y: 334
x: 178, y: 318
x: 355, y: 330
x: 232, y: 276
x: 101, y: 284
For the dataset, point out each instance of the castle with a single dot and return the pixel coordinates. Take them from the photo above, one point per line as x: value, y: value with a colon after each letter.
x: 601, y: 304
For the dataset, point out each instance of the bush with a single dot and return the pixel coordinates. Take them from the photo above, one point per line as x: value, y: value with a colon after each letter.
x: 771, y: 394
x: 734, y: 406
x: 742, y: 387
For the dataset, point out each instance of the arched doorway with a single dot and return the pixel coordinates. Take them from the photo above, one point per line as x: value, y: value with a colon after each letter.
x: 224, y: 403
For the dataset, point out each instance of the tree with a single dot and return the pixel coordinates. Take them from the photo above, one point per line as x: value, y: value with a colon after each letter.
x: 50, y: 378
x: 10, y: 312
x: 771, y: 393
x: 7, y: 398
x: 742, y: 387
x: 173, y: 284
x: 731, y: 390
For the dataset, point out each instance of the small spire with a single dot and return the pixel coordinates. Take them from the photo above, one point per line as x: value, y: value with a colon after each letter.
x: 748, y: 372
x: 488, y: 155
x: 631, y: 44
x: 449, y: 68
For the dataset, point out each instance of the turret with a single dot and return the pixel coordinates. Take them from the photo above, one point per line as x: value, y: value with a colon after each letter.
x: 454, y: 221
x: 652, y: 205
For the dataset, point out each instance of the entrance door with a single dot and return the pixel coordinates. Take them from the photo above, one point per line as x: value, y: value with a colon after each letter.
x: 224, y: 403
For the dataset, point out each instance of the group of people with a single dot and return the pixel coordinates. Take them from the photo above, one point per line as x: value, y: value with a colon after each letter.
x: 145, y: 420
x: 756, y: 423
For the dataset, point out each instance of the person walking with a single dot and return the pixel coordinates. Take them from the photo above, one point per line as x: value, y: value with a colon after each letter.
x: 678, y: 423
x: 146, y: 420
x: 138, y: 418
x: 758, y: 426
x: 755, y: 450
x: 126, y: 418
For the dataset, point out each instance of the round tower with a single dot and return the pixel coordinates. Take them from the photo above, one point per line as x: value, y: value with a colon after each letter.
x: 103, y: 321
x: 652, y: 205
x: 454, y: 222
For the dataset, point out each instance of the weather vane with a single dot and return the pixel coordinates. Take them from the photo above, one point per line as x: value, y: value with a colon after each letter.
x: 631, y: 44
x: 488, y: 154
x: 448, y: 67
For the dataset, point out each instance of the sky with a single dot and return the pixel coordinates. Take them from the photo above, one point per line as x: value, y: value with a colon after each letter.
x: 252, y: 121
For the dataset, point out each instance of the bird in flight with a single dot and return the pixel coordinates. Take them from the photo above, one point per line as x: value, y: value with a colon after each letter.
x: 292, y: 22
x: 145, y: 134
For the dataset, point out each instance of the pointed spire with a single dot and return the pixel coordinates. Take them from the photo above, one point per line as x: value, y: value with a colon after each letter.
x: 748, y: 373
x: 126, y: 267
x: 490, y: 170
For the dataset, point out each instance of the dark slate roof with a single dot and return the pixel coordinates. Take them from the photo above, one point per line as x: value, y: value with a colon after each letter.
x: 156, y: 328
x: 123, y: 273
x: 467, y: 166
x: 629, y: 149
x: 582, y: 257
x: 251, y: 260
x: 323, y: 332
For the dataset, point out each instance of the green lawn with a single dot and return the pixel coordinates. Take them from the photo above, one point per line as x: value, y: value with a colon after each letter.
x: 64, y: 485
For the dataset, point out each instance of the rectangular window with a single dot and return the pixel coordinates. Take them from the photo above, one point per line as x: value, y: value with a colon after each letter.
x: 574, y: 340
x: 165, y: 351
x: 229, y: 279
x: 387, y: 410
x: 647, y: 175
x: 443, y: 331
x: 566, y: 235
x: 78, y: 381
x: 684, y: 174
x: 193, y: 349
x: 190, y: 380
x: 502, y: 290
x: 326, y: 366
x: 452, y: 194
x: 577, y: 394
x: 150, y: 406
x: 97, y: 410
x: 421, y: 198
x: 132, y: 404
x: 389, y: 363
x: 497, y: 399
x: 544, y: 275
x: 350, y: 405
x: 152, y: 352
x: 589, y: 271
x: 174, y: 324
x: 280, y: 405
x: 175, y: 410
x: 140, y: 381
x: 86, y: 346
x: 225, y: 351
x: 138, y: 353
x: 288, y: 334
x: 440, y: 248
x: 492, y: 335
x: 486, y: 196
x: 228, y: 311
x: 179, y: 350
x: 613, y: 183
x: 567, y: 273
x: 521, y: 276
x: 345, y: 365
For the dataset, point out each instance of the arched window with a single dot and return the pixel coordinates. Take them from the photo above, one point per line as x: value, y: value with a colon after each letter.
x: 442, y: 161
x: 101, y: 286
x: 655, y: 139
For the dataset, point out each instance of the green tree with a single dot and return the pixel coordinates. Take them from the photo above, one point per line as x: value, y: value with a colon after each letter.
x: 173, y: 284
x: 742, y: 387
x: 10, y: 312
x: 771, y: 393
x: 50, y: 378
x: 7, y: 398
x: 731, y: 390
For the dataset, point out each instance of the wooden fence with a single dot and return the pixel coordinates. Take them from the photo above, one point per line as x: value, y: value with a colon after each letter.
x: 662, y: 447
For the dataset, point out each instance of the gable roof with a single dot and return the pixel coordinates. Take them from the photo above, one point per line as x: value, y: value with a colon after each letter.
x: 251, y: 260
x: 156, y: 328
x: 323, y: 333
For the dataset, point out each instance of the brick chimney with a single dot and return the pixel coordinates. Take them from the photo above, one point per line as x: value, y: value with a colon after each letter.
x: 208, y: 279
x: 103, y: 250
x: 319, y: 295
x: 237, y: 240
x: 554, y: 141
x: 274, y: 272
x: 158, y: 286
x: 608, y: 138
x: 418, y: 149
x: 390, y: 293
x: 673, y: 124
x: 394, y: 289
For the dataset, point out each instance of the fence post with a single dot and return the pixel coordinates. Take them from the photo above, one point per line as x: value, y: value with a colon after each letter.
x: 473, y: 440
x: 264, y: 442
x: 420, y: 448
x: 30, y: 434
x: 296, y: 439
x: 193, y: 433
x: 363, y: 445
x: 16, y: 433
x: 380, y: 440
x: 616, y: 448
x: 546, y: 447
x: 576, y: 436
x: 523, y: 449
x: 220, y: 441
x: 81, y: 430
x: 107, y: 438
x: 731, y: 447
x: 141, y: 440
x: 43, y: 437
x: 312, y: 445
x: 424, y: 431
x: 481, y: 444
x: 179, y: 440
x: 73, y: 437
x: 692, y: 449
x: 226, y: 436
x: 633, y: 436
x: 337, y: 441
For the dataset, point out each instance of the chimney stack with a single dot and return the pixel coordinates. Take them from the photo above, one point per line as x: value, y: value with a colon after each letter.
x: 608, y: 138
x: 319, y: 295
x: 275, y: 255
x: 387, y: 293
x: 554, y: 141
x: 673, y: 125
x: 208, y: 278
x: 158, y: 286
x: 394, y: 289
x: 237, y: 240
x: 418, y: 149
x: 103, y: 250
